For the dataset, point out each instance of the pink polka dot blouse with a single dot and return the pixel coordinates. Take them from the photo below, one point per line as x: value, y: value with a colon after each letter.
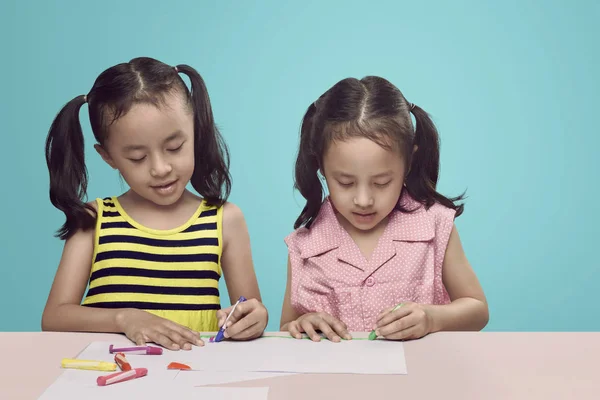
x: 330, y: 274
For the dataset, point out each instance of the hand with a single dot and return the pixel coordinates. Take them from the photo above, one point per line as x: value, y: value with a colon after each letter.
x: 248, y: 321
x: 141, y: 327
x: 331, y: 327
x: 411, y: 321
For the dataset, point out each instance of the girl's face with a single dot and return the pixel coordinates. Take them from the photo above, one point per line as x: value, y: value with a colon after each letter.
x: 153, y: 148
x: 364, y: 181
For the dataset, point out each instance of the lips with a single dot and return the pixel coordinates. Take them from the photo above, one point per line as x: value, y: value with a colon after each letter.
x: 363, y: 214
x: 164, y: 185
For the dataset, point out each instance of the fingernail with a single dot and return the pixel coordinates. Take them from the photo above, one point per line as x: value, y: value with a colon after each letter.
x: 377, y: 332
x: 187, y: 346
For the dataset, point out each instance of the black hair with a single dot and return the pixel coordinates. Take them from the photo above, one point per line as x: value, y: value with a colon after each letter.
x: 376, y: 109
x: 115, y: 91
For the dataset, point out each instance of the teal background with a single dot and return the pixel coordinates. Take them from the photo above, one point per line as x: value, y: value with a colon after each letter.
x: 513, y: 87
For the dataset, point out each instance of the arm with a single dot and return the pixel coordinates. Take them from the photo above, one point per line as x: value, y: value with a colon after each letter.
x: 63, y: 311
x: 288, y: 313
x: 251, y: 317
x: 468, y: 309
x: 295, y: 323
x: 236, y: 260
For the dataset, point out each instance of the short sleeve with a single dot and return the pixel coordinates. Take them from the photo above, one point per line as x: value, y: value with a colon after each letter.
x: 293, y: 242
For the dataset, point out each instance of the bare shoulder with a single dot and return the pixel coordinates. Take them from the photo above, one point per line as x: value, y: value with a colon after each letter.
x: 93, y: 204
x: 234, y: 223
x: 232, y: 214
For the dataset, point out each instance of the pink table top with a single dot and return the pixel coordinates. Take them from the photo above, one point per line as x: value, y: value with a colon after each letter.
x: 448, y: 365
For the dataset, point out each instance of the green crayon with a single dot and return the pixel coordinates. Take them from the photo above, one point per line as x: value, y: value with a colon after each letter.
x: 373, y: 335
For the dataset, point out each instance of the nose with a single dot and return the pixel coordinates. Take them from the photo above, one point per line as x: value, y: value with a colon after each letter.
x: 363, y: 198
x: 160, y: 167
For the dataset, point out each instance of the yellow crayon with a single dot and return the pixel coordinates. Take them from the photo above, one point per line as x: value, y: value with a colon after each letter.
x: 88, y: 364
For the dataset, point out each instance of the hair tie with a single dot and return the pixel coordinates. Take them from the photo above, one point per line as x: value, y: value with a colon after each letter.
x: 85, y: 98
x: 412, y: 106
x: 176, y: 69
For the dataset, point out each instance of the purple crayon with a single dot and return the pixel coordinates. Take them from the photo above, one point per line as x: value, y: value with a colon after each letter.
x: 149, y: 350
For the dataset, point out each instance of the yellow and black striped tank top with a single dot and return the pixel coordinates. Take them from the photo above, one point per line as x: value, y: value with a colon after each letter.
x: 170, y: 273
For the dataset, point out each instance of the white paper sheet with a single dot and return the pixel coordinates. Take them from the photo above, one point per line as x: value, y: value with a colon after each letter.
x: 130, y: 390
x: 274, y: 354
x: 202, y: 378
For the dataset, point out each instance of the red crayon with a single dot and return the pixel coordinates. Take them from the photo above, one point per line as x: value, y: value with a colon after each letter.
x: 122, y: 362
x: 121, y: 376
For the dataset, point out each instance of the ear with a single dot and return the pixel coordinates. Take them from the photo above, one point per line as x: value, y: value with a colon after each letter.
x: 105, y: 156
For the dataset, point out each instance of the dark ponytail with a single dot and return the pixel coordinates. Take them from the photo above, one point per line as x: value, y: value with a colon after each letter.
x: 307, y: 168
x: 68, y: 173
x: 423, y: 176
x: 375, y: 109
x: 211, y: 177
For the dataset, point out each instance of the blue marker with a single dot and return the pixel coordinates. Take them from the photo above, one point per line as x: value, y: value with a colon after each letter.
x: 220, y: 335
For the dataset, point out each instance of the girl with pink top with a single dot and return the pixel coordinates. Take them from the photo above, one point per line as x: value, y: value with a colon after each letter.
x: 383, y: 236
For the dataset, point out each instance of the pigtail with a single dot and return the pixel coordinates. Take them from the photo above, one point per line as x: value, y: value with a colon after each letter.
x: 422, y: 179
x: 211, y: 177
x: 306, y: 173
x: 68, y: 173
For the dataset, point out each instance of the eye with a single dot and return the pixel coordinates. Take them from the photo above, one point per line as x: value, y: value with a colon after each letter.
x: 346, y: 184
x: 382, y: 185
x: 175, y: 150
x: 137, y: 160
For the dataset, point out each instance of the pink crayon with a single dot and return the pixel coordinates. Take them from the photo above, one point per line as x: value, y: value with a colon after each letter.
x: 136, y: 350
x: 121, y: 376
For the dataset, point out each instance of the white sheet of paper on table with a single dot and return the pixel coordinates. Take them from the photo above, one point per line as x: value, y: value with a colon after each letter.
x: 141, y: 388
x: 202, y: 378
x: 274, y: 354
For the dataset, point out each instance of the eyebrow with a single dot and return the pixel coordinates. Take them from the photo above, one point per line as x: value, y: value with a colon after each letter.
x: 380, y: 175
x: 171, y: 137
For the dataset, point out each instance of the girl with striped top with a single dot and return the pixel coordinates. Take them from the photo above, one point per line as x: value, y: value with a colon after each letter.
x: 151, y: 258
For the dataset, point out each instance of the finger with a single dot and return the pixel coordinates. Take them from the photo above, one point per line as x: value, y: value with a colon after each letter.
x: 404, y: 305
x: 338, y: 326
x: 190, y: 336
x: 174, y: 331
x: 237, y: 314
x: 391, y: 316
x: 294, y: 330
x: 255, y: 315
x: 234, y: 328
x: 173, y: 334
x: 222, y: 316
x: 248, y: 333
x: 414, y: 332
x: 139, y: 339
x: 163, y: 340
x: 397, y: 325
x: 384, y: 312
x: 327, y: 331
x: 310, y: 331
x: 242, y: 310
